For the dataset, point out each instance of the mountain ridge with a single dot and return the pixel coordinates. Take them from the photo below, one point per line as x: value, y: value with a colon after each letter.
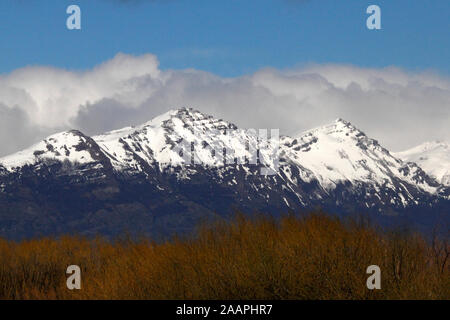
x: 183, y: 166
x: 433, y: 156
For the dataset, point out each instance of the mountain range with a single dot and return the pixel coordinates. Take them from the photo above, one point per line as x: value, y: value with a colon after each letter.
x: 184, y: 167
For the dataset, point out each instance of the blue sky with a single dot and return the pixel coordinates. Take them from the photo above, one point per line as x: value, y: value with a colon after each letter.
x: 229, y: 37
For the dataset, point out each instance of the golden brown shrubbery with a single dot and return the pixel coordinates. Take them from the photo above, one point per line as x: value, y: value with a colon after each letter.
x: 313, y: 257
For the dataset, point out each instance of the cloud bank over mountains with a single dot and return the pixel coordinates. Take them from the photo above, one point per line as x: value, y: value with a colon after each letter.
x: 399, y: 108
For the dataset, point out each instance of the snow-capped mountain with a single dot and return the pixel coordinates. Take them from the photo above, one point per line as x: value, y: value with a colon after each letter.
x: 182, y: 167
x: 433, y: 157
x: 340, y: 153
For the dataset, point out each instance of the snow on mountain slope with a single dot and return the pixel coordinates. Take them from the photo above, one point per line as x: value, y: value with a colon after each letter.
x: 167, y: 140
x: 179, y: 137
x: 70, y: 146
x: 331, y: 155
x: 339, y: 152
x: 433, y: 157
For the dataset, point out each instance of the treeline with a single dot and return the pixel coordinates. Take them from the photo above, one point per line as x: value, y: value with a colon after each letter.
x: 309, y: 257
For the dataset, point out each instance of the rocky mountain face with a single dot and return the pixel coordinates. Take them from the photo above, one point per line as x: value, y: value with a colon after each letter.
x: 185, y: 167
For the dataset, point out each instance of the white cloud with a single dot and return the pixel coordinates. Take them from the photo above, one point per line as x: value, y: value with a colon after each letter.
x: 399, y: 108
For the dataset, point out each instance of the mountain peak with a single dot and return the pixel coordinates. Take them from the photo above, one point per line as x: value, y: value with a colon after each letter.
x: 154, y: 141
x: 339, y: 151
x: 191, y: 117
x: 342, y: 124
x: 433, y: 157
x: 340, y: 128
x: 343, y: 121
x: 72, y: 145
